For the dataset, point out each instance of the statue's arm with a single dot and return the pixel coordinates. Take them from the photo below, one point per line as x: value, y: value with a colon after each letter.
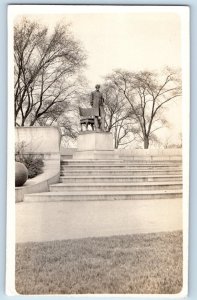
x: 102, y: 99
x: 91, y: 99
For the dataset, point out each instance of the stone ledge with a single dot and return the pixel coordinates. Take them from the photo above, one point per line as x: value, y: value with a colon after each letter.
x: 150, y: 152
x: 95, y: 155
x: 94, y: 132
x: 41, y: 182
x: 39, y: 139
x: 136, y: 154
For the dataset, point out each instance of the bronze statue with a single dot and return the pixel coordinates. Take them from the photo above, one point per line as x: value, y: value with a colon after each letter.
x: 97, y: 103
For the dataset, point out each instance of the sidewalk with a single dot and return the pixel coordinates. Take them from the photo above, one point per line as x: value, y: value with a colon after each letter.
x: 79, y: 219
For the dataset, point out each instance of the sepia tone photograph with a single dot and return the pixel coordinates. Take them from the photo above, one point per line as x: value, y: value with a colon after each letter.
x: 98, y: 158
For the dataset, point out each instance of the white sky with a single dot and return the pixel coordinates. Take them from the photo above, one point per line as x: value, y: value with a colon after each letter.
x: 131, y: 40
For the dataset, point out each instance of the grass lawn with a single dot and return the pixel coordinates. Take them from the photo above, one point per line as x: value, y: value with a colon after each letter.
x: 143, y: 263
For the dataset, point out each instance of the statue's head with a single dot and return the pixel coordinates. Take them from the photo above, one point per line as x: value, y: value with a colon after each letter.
x: 97, y: 86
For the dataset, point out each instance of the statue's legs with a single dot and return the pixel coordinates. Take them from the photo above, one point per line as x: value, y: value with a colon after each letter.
x: 96, y: 124
x: 102, y: 123
x: 102, y: 118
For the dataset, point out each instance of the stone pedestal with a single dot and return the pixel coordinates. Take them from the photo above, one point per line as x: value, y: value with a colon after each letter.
x: 95, y: 145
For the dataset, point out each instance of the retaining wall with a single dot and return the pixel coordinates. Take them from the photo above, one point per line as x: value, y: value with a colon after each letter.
x: 44, y: 141
x: 136, y: 154
x: 39, y: 140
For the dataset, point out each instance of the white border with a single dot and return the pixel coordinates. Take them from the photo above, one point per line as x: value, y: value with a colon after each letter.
x: 13, y: 11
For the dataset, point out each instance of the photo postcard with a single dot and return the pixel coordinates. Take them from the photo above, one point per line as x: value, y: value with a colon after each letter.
x: 98, y: 150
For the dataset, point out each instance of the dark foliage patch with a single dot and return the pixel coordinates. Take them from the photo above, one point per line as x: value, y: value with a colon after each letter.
x: 33, y: 163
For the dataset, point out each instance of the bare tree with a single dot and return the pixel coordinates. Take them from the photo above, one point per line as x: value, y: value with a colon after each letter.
x: 46, y: 68
x: 172, y: 142
x: 118, y: 117
x: 147, y: 94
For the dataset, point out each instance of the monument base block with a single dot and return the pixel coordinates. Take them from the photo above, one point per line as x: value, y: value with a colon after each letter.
x: 95, y: 155
x: 95, y: 145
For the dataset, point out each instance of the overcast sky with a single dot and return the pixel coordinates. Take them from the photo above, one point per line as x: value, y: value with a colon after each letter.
x: 131, y: 40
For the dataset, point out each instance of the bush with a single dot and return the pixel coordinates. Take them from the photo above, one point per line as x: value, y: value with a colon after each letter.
x: 34, y: 163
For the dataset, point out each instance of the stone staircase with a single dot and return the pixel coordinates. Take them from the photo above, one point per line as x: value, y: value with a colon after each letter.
x: 115, y: 179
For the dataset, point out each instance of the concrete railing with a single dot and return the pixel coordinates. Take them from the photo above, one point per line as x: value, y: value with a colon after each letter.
x: 67, y: 153
x: 150, y: 154
x: 45, y: 142
x: 135, y: 154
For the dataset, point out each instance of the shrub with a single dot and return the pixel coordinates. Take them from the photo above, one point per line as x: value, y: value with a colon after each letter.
x: 34, y: 163
x: 19, y: 151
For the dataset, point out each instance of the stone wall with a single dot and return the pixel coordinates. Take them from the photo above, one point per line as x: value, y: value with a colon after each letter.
x: 150, y: 154
x: 165, y: 154
x: 44, y: 141
x: 39, y: 140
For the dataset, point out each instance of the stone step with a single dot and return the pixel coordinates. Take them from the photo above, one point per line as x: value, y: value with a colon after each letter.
x: 119, y: 161
x: 152, y: 158
x: 66, y: 157
x: 111, y: 172
x: 102, y: 195
x: 119, y: 178
x: 130, y: 157
x: 119, y: 167
x: 140, y: 186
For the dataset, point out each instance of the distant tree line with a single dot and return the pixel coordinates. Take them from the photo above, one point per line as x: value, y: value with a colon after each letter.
x: 48, y: 87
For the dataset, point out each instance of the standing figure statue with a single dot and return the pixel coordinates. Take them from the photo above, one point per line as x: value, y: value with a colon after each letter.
x: 97, y: 103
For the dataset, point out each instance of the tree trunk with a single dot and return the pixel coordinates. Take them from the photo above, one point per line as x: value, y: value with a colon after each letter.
x: 146, y: 142
x: 33, y: 122
x: 23, y: 122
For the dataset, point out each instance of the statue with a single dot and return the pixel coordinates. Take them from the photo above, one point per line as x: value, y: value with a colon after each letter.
x: 97, y: 103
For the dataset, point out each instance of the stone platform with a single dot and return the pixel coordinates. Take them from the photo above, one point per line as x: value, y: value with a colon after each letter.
x: 95, y: 145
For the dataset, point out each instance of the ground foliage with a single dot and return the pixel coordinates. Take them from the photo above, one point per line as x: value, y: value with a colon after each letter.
x: 34, y: 165
x: 33, y: 162
x: 143, y: 263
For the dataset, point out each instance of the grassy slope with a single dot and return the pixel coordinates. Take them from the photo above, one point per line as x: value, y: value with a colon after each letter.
x: 145, y: 263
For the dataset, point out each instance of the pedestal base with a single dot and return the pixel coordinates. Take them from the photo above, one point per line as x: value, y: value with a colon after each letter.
x: 95, y: 155
x: 95, y: 145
